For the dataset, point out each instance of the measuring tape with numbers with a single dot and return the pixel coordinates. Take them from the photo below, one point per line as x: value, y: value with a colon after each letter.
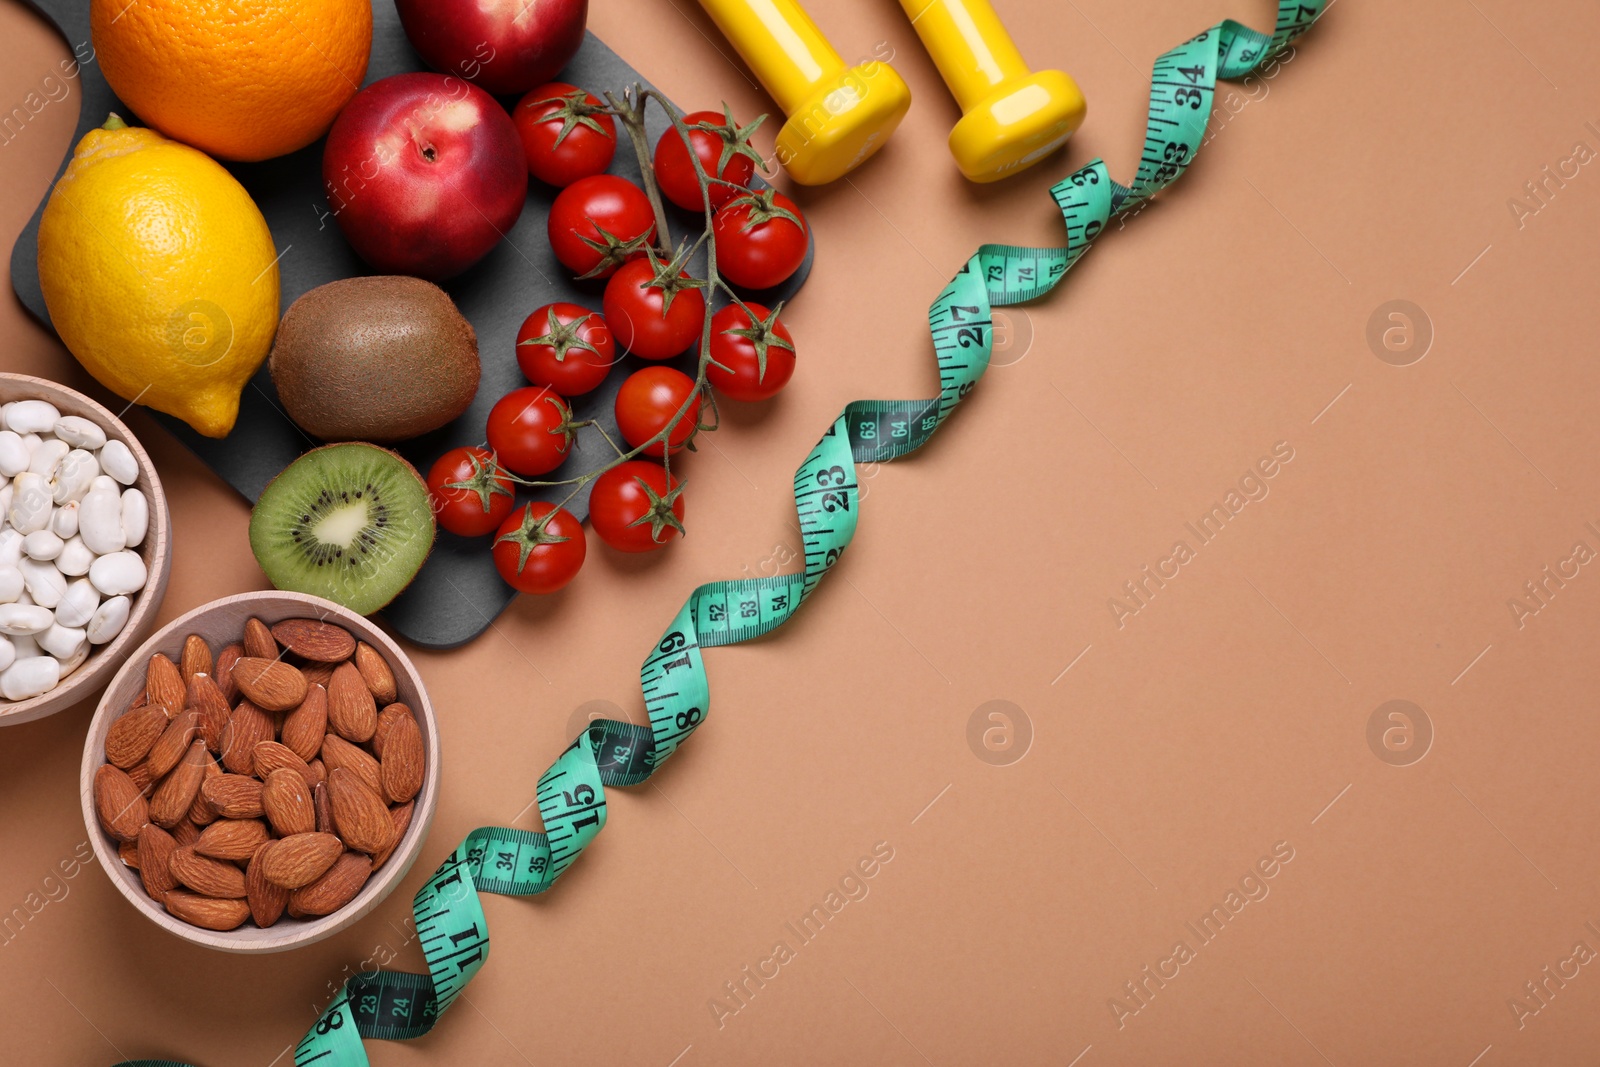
x: 451, y: 927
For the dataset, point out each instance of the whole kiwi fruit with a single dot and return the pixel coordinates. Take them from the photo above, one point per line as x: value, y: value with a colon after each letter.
x: 381, y: 358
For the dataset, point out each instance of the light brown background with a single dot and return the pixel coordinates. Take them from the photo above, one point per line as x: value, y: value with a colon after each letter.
x: 1223, y: 718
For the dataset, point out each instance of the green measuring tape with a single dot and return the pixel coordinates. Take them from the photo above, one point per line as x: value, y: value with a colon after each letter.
x: 393, y: 1005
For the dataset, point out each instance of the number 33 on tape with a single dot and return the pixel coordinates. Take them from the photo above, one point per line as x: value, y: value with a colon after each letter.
x: 451, y: 927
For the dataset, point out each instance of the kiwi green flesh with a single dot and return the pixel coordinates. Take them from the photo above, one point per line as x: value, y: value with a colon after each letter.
x: 351, y: 523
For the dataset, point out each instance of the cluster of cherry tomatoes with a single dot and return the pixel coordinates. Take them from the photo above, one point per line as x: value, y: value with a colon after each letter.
x: 603, y: 226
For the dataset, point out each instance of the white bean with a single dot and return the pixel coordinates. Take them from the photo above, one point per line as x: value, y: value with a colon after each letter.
x: 135, y: 517
x: 43, y: 582
x: 8, y: 652
x: 79, y: 432
x: 64, y: 523
x: 74, y: 661
x: 25, y: 645
x: 74, y: 475
x: 47, y: 457
x: 32, y: 416
x: 22, y: 620
x: 5, y: 413
x: 100, y: 517
x: 109, y: 619
x: 30, y: 677
x: 13, y: 454
x: 30, y: 503
x: 10, y: 584
x: 42, y: 545
x: 5, y: 501
x: 75, y: 557
x: 63, y: 642
x: 117, y: 461
x: 116, y: 574
x: 77, y: 607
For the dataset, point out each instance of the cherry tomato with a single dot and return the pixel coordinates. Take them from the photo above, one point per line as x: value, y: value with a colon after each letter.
x: 598, y: 222
x: 655, y: 310
x: 530, y: 429
x: 566, y: 133
x: 761, y: 239
x: 565, y: 347
x: 752, y: 354
x: 636, y: 506
x: 649, y: 401
x: 725, y: 152
x: 540, y: 548
x: 471, y: 493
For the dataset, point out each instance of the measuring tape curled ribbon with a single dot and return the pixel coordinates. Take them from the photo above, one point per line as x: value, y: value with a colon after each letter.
x: 451, y: 927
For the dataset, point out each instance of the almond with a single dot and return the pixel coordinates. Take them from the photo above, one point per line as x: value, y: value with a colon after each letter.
x: 400, y: 815
x: 266, y: 900
x: 386, y: 720
x: 299, y: 860
x: 258, y: 640
x: 156, y: 847
x: 232, y: 839
x: 130, y: 738
x: 119, y: 804
x: 337, y: 752
x: 304, y: 726
x: 286, y: 799
x: 164, y: 683
x: 375, y: 672
x: 209, y: 913
x: 400, y: 772
x: 317, y: 673
x: 223, y: 674
x: 206, y: 876
x: 334, y: 889
x: 359, y: 815
x: 314, y: 639
x: 205, y: 699
x: 319, y: 800
x: 317, y: 773
x: 352, y: 712
x: 201, y: 813
x: 172, y: 798
x: 274, y: 756
x: 196, y: 658
x: 269, y: 684
x: 173, y: 743
x: 233, y: 796
x: 247, y: 727
x: 139, y: 774
x: 128, y: 853
x: 185, y: 834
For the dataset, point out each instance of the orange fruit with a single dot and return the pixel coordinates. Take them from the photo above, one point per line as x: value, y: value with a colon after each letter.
x: 240, y: 79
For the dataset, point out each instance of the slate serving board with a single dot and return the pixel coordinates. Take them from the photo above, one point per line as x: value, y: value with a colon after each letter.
x: 457, y: 594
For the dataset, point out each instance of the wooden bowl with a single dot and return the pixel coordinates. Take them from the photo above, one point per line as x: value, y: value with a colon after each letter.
x: 221, y: 623
x: 156, y: 550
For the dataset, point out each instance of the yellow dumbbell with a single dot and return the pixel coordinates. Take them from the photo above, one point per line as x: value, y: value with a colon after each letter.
x: 1012, y: 117
x: 838, y: 115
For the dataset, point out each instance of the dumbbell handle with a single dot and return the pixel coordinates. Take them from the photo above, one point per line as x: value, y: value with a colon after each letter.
x: 969, y: 45
x: 778, y: 41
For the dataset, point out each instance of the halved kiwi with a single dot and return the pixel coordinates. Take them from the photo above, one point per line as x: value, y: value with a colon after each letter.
x: 348, y: 522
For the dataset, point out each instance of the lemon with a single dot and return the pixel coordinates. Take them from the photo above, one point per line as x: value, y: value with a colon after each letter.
x: 160, y: 274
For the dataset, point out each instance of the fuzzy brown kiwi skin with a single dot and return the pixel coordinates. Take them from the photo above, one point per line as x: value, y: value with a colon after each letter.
x: 433, y: 525
x: 381, y: 359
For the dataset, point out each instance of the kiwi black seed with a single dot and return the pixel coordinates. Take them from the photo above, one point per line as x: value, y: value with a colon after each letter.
x: 348, y: 522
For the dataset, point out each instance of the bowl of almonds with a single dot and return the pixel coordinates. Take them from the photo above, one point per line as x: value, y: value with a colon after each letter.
x: 261, y: 772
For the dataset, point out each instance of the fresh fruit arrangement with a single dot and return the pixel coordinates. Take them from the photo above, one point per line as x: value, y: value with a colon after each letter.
x: 70, y: 519
x: 653, y: 308
x: 271, y: 778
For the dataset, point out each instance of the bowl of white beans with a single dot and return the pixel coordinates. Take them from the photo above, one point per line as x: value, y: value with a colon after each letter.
x: 85, y: 546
